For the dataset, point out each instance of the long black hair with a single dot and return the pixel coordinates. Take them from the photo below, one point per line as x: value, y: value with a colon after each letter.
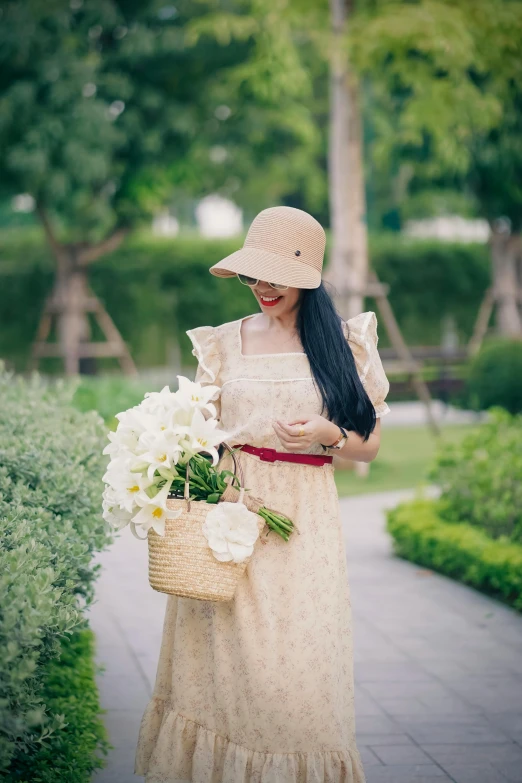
x: 332, y: 363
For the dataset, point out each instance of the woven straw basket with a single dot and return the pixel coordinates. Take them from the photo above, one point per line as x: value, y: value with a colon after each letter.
x: 182, y: 563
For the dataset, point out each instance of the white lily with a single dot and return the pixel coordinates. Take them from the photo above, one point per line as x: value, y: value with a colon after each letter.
x: 119, y: 441
x: 182, y: 417
x: 126, y: 486
x: 157, y: 402
x: 154, y: 512
x: 134, y: 419
x: 152, y: 438
x: 162, y: 425
x: 132, y: 423
x: 194, y: 395
x: 112, y: 513
x: 118, y: 466
x: 201, y: 436
x: 163, y: 451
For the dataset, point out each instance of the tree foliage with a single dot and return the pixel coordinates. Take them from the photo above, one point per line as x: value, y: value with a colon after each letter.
x: 443, y: 98
x: 106, y: 106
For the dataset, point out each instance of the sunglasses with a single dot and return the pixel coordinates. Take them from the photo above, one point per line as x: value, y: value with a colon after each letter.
x: 253, y: 281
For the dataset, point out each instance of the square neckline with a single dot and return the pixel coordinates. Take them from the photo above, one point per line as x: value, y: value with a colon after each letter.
x: 252, y: 355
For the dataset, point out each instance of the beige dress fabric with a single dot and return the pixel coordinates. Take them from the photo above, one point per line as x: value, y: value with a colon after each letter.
x: 260, y: 689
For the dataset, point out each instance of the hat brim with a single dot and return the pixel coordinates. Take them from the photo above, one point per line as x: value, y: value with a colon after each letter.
x: 270, y: 267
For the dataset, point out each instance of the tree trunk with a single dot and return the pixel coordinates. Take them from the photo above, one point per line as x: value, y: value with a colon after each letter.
x: 70, y: 293
x: 357, y: 205
x: 506, y: 256
x: 348, y: 265
x: 72, y: 302
x: 339, y: 164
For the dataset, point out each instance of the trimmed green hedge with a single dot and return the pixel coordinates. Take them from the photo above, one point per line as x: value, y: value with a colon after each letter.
x: 480, y: 477
x: 155, y: 289
x: 473, y: 532
x: 69, y: 690
x: 495, y: 376
x: 51, y: 468
x: 458, y: 550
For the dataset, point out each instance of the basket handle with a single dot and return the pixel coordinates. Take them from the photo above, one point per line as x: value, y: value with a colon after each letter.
x: 237, y: 467
x: 135, y: 534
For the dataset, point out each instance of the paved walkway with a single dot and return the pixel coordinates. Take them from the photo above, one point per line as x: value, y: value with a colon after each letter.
x: 413, y: 414
x: 438, y: 666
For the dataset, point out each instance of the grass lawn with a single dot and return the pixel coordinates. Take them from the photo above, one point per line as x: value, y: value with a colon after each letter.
x: 404, y: 458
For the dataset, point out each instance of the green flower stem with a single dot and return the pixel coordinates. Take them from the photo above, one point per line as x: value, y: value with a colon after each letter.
x: 285, y: 525
x: 277, y: 530
x: 283, y: 535
x: 282, y: 522
x: 276, y: 526
x: 280, y: 525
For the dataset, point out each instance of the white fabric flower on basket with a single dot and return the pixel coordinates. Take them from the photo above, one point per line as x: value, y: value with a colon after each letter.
x: 231, y: 531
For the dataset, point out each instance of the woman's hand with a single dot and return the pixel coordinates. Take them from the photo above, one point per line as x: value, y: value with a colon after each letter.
x: 316, y: 428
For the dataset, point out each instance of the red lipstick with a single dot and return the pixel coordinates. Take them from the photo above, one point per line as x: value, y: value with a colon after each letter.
x: 271, y: 303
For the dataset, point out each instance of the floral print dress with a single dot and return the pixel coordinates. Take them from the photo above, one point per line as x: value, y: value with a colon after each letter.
x: 260, y: 689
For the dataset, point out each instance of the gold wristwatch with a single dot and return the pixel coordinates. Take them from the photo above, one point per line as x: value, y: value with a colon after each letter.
x: 339, y: 443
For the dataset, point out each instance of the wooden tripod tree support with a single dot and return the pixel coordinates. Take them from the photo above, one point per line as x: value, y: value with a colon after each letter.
x: 73, y: 327
x: 407, y: 362
x: 506, y: 292
x: 349, y: 271
x: 71, y: 306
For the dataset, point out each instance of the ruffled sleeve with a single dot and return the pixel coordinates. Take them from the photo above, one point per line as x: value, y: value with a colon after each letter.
x: 361, y: 333
x: 206, y: 349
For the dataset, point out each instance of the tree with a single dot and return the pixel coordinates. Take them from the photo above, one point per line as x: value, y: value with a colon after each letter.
x: 447, y: 111
x: 408, y: 71
x: 495, y: 172
x: 106, y: 107
x: 348, y: 267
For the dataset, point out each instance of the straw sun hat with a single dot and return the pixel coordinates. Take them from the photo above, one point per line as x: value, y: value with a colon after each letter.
x: 283, y: 245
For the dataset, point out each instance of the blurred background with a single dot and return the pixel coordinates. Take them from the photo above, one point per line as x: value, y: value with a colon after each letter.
x: 138, y: 139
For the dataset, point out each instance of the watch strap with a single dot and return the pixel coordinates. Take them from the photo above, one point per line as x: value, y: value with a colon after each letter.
x: 343, y: 437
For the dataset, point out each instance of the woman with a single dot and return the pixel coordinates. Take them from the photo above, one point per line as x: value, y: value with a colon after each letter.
x: 260, y: 689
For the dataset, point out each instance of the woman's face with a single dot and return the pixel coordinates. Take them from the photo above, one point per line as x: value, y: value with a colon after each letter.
x: 275, y: 302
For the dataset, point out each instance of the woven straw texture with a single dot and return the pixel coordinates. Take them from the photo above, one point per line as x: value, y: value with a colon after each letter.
x: 181, y: 562
x: 231, y: 495
x: 283, y: 245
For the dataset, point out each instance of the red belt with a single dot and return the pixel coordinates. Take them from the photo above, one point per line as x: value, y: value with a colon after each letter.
x: 271, y: 455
